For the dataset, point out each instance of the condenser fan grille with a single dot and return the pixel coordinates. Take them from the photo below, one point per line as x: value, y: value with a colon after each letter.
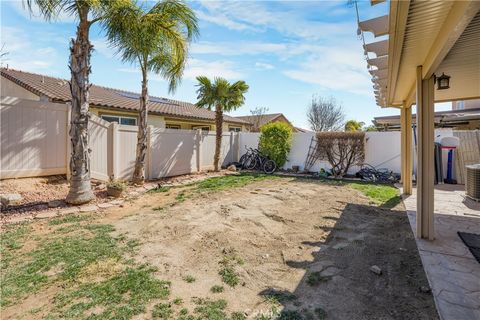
x: 473, y: 182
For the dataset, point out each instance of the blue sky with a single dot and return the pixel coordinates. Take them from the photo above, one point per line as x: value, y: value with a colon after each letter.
x: 286, y: 51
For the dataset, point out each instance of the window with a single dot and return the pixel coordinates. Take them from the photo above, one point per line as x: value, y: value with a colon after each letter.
x: 129, y: 121
x: 234, y: 129
x: 203, y: 128
x: 172, y: 126
x: 460, y: 105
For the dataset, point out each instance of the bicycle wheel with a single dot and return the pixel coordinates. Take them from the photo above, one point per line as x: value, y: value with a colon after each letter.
x: 269, y: 166
x: 242, y: 160
x: 250, y: 163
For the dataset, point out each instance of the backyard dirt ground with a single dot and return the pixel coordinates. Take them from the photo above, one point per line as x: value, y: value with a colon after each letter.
x: 297, y: 245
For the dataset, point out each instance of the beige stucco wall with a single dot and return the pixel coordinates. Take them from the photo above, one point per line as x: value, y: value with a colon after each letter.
x: 11, y: 89
x: 153, y: 120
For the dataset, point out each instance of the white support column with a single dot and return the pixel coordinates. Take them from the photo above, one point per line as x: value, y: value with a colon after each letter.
x: 425, y: 171
x: 406, y: 148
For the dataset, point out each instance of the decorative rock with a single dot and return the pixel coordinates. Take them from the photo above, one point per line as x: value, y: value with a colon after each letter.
x: 376, y: 269
x: 232, y: 168
x: 46, y: 214
x: 88, y: 208
x: 9, y: 199
x: 105, y: 205
x: 55, y: 203
x: 68, y: 210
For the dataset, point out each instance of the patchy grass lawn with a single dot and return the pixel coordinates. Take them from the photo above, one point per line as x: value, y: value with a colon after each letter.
x: 226, y: 248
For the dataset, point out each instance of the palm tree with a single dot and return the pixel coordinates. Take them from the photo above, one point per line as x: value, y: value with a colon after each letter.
x: 157, y: 40
x: 87, y: 12
x: 223, y: 96
x: 354, y: 125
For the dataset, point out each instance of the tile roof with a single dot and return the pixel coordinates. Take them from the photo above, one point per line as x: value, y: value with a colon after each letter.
x: 260, y: 119
x: 59, y: 90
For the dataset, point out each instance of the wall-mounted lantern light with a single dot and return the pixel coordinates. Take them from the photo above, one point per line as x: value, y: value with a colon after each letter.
x: 443, y: 82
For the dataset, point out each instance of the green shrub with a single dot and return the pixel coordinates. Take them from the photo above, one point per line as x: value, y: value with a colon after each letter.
x: 276, y: 141
x: 116, y: 184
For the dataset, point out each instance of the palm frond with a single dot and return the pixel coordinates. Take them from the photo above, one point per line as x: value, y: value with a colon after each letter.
x: 220, y: 93
x: 156, y: 38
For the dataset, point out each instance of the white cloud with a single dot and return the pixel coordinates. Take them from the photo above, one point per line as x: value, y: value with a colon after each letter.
x: 20, y: 7
x: 211, y: 69
x: 335, y: 68
x: 288, y: 20
x: 264, y: 66
x: 101, y: 46
x: 24, y: 54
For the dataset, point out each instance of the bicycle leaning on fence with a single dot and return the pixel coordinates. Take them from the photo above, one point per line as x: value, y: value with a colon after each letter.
x: 253, y: 159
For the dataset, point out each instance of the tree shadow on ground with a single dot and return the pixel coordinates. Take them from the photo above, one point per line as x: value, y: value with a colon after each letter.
x: 338, y: 282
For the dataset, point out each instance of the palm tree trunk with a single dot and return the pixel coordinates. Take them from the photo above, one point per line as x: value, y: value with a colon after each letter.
x: 218, y: 137
x: 80, y: 50
x: 139, y: 173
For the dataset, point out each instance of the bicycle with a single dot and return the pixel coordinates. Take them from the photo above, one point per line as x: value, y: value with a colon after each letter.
x: 254, y: 159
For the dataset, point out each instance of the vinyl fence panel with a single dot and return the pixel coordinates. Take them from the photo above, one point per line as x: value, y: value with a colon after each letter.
x: 172, y: 152
x: 100, y: 141
x: 33, y: 138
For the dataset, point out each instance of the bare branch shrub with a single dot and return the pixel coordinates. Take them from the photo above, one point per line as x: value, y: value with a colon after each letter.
x: 325, y: 114
x: 341, y: 150
x: 257, y: 118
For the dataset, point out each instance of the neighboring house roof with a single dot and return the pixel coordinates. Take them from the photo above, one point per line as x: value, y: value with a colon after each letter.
x: 260, y: 120
x: 58, y: 90
x: 302, y: 130
x: 441, y: 118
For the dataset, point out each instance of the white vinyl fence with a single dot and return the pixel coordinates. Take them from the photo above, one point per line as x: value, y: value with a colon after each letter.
x: 35, y: 142
x: 33, y: 138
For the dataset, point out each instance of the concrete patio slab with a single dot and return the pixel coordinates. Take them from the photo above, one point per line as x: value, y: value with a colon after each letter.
x: 452, y: 271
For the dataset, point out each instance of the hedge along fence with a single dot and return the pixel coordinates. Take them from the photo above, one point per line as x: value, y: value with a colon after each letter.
x: 275, y: 142
x: 341, y: 149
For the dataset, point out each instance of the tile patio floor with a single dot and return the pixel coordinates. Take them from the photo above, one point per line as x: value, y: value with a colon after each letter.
x: 452, y: 271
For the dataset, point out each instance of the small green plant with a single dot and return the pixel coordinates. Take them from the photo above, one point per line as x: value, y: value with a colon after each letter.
x: 181, y: 197
x: 162, y: 311
x: 315, y: 278
x: 159, y: 189
x: 229, y: 276
x: 276, y: 142
x: 189, y: 279
x: 71, y: 218
x: 178, y: 301
x: 117, y: 184
x: 238, y: 316
x: 217, y: 289
x: 210, y: 309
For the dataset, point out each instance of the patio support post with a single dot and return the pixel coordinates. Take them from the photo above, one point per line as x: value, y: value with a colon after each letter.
x: 425, y: 172
x: 406, y: 148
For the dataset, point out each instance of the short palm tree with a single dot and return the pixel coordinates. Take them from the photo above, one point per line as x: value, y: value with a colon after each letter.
x: 156, y: 39
x: 222, y: 96
x: 86, y: 13
x: 354, y: 125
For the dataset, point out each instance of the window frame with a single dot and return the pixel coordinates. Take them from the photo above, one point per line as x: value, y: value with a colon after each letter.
x: 234, y: 129
x: 202, y: 127
x: 119, y: 117
x: 173, y: 126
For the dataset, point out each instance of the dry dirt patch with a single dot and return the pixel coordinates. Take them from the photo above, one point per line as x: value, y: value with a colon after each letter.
x: 286, y: 232
x: 294, y: 244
